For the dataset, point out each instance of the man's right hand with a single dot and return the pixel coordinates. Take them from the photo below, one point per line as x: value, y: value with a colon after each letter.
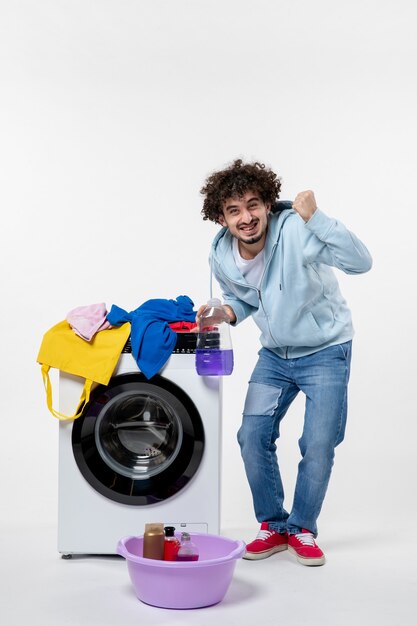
x: 230, y: 312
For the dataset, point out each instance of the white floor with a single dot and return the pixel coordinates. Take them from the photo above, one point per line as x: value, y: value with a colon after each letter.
x: 370, y: 578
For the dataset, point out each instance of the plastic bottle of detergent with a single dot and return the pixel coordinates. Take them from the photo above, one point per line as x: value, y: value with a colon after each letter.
x: 214, y: 353
x: 188, y: 551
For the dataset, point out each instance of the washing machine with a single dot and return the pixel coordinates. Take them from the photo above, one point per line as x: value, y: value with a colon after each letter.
x: 143, y: 451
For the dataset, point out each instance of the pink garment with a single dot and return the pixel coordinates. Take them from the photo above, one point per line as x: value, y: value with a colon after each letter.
x: 88, y: 320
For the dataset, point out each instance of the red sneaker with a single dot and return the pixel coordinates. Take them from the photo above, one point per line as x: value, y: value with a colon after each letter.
x: 266, y: 543
x: 305, y: 548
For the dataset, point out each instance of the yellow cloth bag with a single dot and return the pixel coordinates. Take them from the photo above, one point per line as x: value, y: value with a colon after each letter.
x: 93, y: 360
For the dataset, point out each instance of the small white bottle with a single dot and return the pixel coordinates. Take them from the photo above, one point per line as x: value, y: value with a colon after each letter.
x: 188, y: 551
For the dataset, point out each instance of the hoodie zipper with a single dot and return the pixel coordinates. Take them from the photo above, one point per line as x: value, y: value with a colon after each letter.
x: 258, y: 291
x: 260, y: 295
x: 285, y: 348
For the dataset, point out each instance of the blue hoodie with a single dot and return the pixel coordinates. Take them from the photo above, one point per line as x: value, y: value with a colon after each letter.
x: 299, y: 307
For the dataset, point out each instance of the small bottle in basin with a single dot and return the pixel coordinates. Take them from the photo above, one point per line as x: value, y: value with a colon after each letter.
x: 171, y: 545
x: 153, y: 541
x: 188, y: 551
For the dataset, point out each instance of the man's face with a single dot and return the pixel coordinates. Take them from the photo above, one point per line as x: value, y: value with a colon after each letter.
x: 246, y: 217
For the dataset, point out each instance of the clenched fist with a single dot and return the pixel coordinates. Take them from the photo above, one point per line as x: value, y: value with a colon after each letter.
x: 305, y: 204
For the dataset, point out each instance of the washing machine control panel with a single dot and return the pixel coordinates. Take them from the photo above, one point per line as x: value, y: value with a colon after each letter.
x: 186, y: 344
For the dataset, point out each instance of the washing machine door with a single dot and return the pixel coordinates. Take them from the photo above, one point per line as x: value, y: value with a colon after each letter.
x: 139, y: 441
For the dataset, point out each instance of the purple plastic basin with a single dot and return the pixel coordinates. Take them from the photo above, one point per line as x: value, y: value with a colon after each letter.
x: 183, y: 585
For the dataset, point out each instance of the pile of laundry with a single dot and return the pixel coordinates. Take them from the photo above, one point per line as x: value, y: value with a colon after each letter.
x: 88, y: 343
x: 154, y: 325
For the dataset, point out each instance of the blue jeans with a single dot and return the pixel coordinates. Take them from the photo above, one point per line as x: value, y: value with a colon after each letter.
x: 323, y: 378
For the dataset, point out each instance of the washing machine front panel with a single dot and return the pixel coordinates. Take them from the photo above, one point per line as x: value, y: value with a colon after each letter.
x: 139, y: 441
x: 91, y: 523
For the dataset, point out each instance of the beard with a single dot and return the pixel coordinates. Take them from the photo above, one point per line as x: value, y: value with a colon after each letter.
x: 251, y: 240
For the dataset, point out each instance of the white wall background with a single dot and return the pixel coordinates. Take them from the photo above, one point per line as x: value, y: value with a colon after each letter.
x: 113, y: 112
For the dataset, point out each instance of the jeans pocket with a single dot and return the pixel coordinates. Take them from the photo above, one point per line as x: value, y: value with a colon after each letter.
x: 345, y: 348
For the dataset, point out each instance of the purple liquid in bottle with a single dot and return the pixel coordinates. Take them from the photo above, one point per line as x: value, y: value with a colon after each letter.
x: 214, y: 362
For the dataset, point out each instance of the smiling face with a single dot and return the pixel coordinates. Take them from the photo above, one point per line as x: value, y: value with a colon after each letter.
x: 247, y: 220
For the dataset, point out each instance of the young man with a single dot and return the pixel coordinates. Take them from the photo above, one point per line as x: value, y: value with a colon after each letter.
x: 274, y: 261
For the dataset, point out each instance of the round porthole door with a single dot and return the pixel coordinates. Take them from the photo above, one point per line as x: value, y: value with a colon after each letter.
x: 138, y: 441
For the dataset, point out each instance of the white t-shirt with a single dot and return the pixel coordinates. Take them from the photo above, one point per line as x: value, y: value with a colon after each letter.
x: 252, y: 269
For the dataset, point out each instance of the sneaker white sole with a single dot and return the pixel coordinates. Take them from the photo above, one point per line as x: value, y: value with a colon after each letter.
x: 304, y: 561
x: 256, y: 556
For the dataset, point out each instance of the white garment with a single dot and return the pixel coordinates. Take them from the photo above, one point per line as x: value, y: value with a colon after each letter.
x: 252, y: 269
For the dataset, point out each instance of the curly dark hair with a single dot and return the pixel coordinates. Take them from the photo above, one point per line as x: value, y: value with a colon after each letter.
x: 234, y: 182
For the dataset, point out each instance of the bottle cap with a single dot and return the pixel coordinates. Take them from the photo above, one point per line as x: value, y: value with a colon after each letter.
x: 155, y: 528
x: 169, y: 531
x: 185, y: 536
